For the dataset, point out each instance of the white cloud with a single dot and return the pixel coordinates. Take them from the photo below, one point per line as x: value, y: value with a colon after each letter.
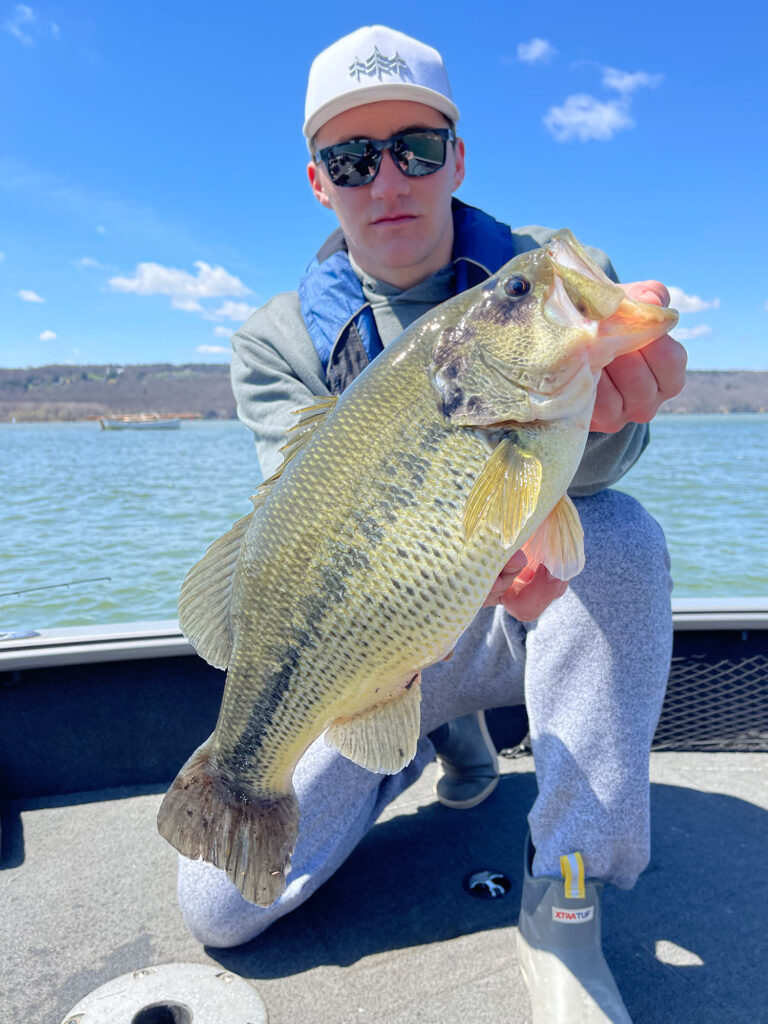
x: 185, y: 289
x: 89, y: 263
x: 211, y: 349
x: 101, y: 229
x: 22, y: 15
x: 236, y: 311
x: 626, y: 82
x: 689, y: 303
x: 29, y: 296
x: 188, y: 305
x: 687, y: 333
x: 48, y: 336
x: 55, y: 31
x: 222, y: 332
x: 2, y: 256
x: 535, y: 51
x: 583, y: 117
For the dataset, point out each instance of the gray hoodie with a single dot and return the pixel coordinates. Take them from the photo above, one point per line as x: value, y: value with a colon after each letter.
x: 276, y: 371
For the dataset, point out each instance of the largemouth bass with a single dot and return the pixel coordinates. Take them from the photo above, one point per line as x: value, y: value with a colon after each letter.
x: 372, y: 548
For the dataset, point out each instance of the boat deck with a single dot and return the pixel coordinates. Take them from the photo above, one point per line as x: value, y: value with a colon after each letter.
x: 87, y: 887
x: 88, y: 894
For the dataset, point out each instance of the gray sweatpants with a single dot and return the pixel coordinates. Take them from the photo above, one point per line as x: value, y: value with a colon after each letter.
x: 592, y: 672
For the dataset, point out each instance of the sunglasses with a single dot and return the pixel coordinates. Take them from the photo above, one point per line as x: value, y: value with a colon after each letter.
x: 415, y: 153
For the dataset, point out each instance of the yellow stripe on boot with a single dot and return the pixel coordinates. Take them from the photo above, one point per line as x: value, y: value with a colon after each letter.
x: 572, y: 870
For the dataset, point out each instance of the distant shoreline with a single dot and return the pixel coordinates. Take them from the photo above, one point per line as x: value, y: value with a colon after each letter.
x: 721, y: 392
x: 68, y: 393
x: 47, y: 394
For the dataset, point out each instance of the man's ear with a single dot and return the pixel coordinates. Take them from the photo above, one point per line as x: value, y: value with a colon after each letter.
x: 316, y: 185
x: 458, y: 172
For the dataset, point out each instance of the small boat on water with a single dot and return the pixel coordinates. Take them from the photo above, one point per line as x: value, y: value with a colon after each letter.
x: 140, y: 421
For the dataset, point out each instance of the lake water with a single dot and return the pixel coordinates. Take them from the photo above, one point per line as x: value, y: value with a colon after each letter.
x: 140, y: 507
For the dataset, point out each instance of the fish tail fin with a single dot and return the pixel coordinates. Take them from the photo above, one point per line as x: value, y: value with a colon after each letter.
x: 251, y: 837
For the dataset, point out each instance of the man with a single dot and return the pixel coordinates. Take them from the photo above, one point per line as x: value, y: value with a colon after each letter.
x: 591, y: 659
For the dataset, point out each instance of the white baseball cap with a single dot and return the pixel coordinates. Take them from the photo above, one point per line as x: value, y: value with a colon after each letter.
x: 375, y: 63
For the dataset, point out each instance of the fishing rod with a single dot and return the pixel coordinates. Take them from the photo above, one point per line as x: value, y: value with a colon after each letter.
x: 52, y: 586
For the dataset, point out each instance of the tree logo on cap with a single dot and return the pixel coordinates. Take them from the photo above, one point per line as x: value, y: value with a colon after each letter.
x: 377, y: 64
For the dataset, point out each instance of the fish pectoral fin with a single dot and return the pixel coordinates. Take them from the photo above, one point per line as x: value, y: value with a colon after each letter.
x: 205, y: 595
x: 559, y: 542
x: 382, y: 739
x: 504, y: 494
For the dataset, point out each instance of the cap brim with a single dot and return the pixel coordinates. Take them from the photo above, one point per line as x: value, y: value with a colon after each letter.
x: 377, y: 94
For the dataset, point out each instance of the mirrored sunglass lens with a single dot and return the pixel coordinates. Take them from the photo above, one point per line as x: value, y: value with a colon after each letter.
x: 420, y: 154
x: 352, y: 163
x: 356, y: 162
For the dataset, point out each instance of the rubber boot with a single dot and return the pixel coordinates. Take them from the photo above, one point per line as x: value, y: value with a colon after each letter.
x: 469, y: 765
x: 560, y: 949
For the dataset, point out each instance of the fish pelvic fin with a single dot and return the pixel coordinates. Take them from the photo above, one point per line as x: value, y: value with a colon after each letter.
x: 504, y: 494
x: 205, y: 815
x: 205, y: 597
x: 382, y: 739
x: 558, y: 543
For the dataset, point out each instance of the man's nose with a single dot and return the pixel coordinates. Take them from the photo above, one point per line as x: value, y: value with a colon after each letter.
x: 390, y: 181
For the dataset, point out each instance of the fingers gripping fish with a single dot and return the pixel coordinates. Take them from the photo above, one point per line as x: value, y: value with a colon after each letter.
x: 373, y: 547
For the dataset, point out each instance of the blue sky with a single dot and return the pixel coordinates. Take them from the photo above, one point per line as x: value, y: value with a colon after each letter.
x: 152, y: 181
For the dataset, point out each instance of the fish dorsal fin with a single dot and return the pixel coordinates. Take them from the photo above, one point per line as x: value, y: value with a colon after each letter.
x: 205, y: 595
x: 296, y: 437
x: 505, y: 493
x: 299, y: 434
x: 382, y: 739
x: 559, y: 542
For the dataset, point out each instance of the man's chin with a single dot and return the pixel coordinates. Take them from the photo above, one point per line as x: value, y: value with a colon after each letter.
x: 402, y: 266
x: 401, y: 256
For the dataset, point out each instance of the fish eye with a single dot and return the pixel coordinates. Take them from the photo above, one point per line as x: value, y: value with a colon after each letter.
x: 517, y: 285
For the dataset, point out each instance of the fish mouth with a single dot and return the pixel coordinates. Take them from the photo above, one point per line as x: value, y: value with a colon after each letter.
x: 634, y: 324
x: 582, y: 295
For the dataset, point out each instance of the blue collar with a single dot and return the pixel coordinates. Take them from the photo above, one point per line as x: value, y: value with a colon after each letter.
x: 335, y: 310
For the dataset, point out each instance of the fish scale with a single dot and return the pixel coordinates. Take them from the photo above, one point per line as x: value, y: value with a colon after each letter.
x: 341, y: 680
x: 373, y: 547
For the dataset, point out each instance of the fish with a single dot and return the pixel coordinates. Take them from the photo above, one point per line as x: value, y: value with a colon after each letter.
x: 372, y: 548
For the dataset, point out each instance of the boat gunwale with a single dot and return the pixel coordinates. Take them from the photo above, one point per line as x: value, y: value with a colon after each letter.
x: 127, y: 641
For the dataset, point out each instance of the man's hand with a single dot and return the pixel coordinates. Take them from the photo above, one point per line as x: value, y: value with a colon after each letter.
x: 633, y: 386
x: 525, y: 592
x: 630, y: 389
